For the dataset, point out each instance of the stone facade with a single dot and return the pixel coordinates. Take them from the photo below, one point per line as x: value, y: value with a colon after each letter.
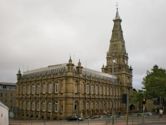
x: 60, y: 91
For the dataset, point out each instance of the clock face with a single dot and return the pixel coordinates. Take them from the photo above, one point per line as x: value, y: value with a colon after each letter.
x: 114, y: 60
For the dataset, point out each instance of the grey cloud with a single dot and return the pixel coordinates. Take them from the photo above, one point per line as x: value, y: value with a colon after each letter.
x: 36, y: 33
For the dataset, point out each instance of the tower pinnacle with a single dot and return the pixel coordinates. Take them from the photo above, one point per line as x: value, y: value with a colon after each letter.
x: 117, y: 14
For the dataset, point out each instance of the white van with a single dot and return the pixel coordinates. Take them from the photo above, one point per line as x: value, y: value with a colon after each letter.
x: 4, y: 114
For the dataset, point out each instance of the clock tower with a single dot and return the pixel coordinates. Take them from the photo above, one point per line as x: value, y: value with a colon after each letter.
x: 117, y: 57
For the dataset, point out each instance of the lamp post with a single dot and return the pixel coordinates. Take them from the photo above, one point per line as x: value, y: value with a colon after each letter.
x: 113, y: 61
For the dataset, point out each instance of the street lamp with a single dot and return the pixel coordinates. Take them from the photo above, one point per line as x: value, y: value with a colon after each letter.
x: 113, y: 61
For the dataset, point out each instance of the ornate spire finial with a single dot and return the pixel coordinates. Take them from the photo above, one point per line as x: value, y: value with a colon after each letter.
x: 79, y: 63
x: 117, y: 12
x: 70, y: 60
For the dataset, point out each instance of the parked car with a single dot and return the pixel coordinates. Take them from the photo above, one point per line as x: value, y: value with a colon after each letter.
x: 74, y: 118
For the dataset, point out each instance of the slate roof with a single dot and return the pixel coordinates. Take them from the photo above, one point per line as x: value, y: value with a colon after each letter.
x: 8, y: 83
x: 62, y: 68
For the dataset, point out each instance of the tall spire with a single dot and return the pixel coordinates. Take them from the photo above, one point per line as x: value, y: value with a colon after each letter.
x: 117, y: 49
x: 117, y: 43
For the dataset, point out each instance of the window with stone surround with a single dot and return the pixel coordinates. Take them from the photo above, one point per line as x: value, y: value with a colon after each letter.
x: 103, y: 90
x: 44, y: 88
x: 100, y: 90
x: 24, y: 89
x: 28, y: 89
x: 76, y: 87
x: 24, y: 105
x: 38, y: 106
x: 50, y: 88
x: 38, y: 89
x: 87, y: 105
x: 28, y: 105
x: 33, y: 89
x: 92, y: 89
x: 44, y: 106
x: 33, y: 106
x: 50, y: 107
x: 96, y: 89
x: 87, y: 89
x: 56, y: 88
x: 107, y: 90
x: 56, y: 106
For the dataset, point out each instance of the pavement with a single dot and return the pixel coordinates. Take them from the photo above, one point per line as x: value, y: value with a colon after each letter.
x: 151, y: 120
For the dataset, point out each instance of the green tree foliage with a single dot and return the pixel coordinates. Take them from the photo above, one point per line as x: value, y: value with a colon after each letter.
x: 136, y: 96
x: 155, y: 82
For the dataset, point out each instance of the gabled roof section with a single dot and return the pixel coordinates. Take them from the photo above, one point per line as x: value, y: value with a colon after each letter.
x: 47, y: 70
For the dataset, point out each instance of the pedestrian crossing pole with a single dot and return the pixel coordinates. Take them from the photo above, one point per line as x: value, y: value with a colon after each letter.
x: 127, y: 109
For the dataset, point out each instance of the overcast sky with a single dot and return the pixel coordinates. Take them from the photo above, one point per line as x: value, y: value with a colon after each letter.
x: 38, y: 33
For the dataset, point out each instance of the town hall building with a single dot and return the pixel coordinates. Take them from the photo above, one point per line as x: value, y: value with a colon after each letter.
x: 68, y: 89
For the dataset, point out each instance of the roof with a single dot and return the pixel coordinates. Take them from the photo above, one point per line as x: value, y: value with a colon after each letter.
x: 8, y: 83
x: 52, y: 69
x: 62, y: 68
x: 98, y: 74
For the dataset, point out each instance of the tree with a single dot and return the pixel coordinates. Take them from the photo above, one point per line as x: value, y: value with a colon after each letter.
x: 155, y: 83
x: 136, y: 98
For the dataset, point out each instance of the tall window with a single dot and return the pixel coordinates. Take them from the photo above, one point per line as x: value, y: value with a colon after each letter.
x: 24, y: 90
x: 75, y: 106
x: 29, y: 91
x: 56, y: 106
x: 33, y: 106
x: 44, y: 106
x: 111, y: 90
x: 38, y: 106
x: 87, y: 89
x: 101, y: 105
x: 28, y: 105
x: 38, y: 89
x: 33, y: 89
x: 107, y: 90
x: 24, y: 105
x: 44, y: 88
x: 100, y: 90
x: 56, y: 87
x: 50, y: 87
x: 96, y: 90
x: 92, y: 89
x: 91, y: 105
x: 96, y: 106
x: 76, y: 87
x: 49, y: 106
x: 21, y: 105
x: 87, y: 106
x: 103, y: 90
